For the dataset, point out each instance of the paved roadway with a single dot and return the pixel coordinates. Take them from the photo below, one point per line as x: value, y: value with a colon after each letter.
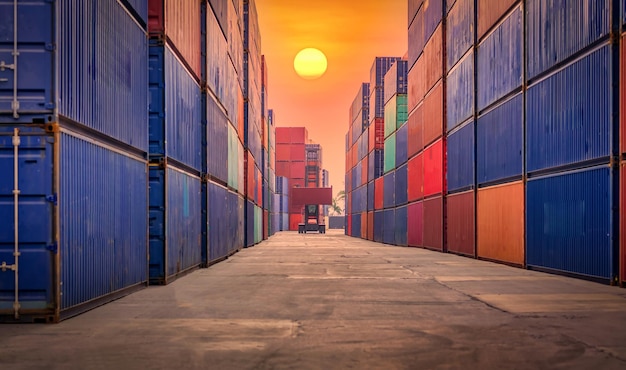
x: 326, y: 301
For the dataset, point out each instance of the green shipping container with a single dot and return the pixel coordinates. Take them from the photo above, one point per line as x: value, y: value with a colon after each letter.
x: 233, y: 158
x: 390, y: 153
x: 395, y: 113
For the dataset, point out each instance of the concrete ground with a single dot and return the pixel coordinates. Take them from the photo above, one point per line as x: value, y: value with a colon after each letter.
x: 326, y: 301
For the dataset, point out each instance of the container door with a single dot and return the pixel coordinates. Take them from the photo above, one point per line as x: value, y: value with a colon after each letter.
x: 36, y: 244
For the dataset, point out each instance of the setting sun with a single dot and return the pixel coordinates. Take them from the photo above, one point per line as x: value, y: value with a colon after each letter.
x: 310, y: 63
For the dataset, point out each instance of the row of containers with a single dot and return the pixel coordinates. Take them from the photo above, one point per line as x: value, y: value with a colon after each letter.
x: 137, y: 139
x: 513, y: 148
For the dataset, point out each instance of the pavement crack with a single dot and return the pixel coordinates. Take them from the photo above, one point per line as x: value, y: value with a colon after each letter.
x: 473, y: 298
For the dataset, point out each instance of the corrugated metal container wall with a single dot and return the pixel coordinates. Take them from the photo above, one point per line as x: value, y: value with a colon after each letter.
x: 389, y: 197
x: 348, y: 224
x: 433, y: 59
x: 371, y: 192
x: 389, y: 226
x: 568, y: 115
x: 415, y: 87
x: 139, y: 8
x: 364, y: 221
x: 580, y: 24
x: 91, y: 176
x: 175, y: 223
x: 364, y: 169
x: 569, y: 223
x: 415, y: 222
x: 415, y: 126
x: 433, y: 12
x: 460, y: 225
x: 250, y: 224
x: 414, y: 6
x: 460, y: 158
x: 370, y: 226
x: 433, y: 169
x: 175, y: 109
x: 390, y: 153
x: 433, y: 223
x: 500, y: 60
x: 378, y: 70
x: 220, y: 9
x: 401, y: 226
x: 622, y: 227
x: 218, y: 216
x: 402, y: 148
x: 499, y: 142
x: 180, y: 23
x: 375, y: 163
x: 416, y: 39
x: 376, y: 133
x: 415, y: 183
x: 395, y: 80
x: 460, y: 92
x: 379, y: 193
x: 234, y: 161
x: 622, y: 92
x: 379, y: 226
x: 401, y: 185
x: 459, y: 31
x: 489, y: 12
x: 356, y: 225
x: 217, y: 140
x: 433, y: 115
x: 500, y: 223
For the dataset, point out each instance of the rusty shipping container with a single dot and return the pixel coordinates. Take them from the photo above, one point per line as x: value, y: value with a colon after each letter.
x: 434, y: 169
x: 415, y: 187
x: 461, y: 226
x: 490, y: 12
x: 433, y: 223
x: 415, y: 221
x: 433, y: 59
x: 433, y: 115
x: 500, y: 223
x: 622, y: 84
x: 370, y: 226
x: 415, y: 142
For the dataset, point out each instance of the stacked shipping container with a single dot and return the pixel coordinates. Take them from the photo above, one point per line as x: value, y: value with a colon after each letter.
x: 290, y: 163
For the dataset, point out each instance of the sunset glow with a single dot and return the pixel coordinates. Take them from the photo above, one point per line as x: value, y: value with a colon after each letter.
x: 310, y: 63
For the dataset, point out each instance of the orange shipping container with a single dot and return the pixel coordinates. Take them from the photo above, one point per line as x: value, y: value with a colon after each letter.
x: 433, y: 59
x: 500, y: 223
x: 489, y: 12
x: 364, y: 166
x: 415, y: 87
x: 420, y: 75
x: 370, y: 226
x: 415, y: 125
x: 460, y: 226
x: 364, y: 222
x: 433, y: 115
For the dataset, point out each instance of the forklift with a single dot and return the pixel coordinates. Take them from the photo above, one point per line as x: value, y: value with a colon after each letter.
x: 311, y: 219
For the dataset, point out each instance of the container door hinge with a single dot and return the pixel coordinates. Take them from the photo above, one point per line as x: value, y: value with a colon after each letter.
x: 54, y: 247
x: 52, y: 199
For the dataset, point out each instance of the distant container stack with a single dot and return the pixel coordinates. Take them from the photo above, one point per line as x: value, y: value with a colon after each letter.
x: 290, y: 163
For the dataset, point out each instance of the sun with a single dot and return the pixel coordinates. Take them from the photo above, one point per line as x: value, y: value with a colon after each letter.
x: 310, y: 63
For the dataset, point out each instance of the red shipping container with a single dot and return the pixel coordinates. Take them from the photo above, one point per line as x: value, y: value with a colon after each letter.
x: 376, y: 134
x: 348, y: 184
x: 622, y: 231
x: 415, y: 86
x: 433, y: 223
x: 249, y: 176
x: 490, y: 12
x: 240, y: 109
x: 364, y: 225
x: 265, y: 225
x: 303, y: 196
x: 433, y: 115
x: 370, y: 226
x: 299, y: 135
x: 283, y: 168
x: 416, y: 178
x: 379, y: 193
x: 622, y: 84
x: 415, y: 224
x: 433, y: 169
x: 294, y: 220
x: 461, y: 228
x: 297, y: 170
x: 283, y: 135
x: 296, y: 182
x: 298, y: 152
x: 283, y: 152
x: 364, y: 166
x: 348, y: 202
x: 433, y: 59
x: 415, y: 142
x: 348, y: 224
x: 179, y: 21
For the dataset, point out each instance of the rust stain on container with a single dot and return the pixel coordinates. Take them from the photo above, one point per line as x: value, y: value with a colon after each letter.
x: 433, y: 223
x: 500, y: 223
x: 433, y: 115
x: 461, y: 228
x: 490, y: 12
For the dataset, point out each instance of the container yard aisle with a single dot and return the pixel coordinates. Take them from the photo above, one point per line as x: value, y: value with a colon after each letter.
x: 331, y: 301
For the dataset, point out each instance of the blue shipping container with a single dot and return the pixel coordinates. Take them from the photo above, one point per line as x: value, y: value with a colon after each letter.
x: 559, y: 29
x: 460, y: 157
x: 360, y: 104
x: 379, y: 68
x: 217, y: 140
x: 568, y: 115
x: 433, y: 13
x: 569, y: 224
x: 389, y: 226
x: 499, y: 60
x: 401, y: 227
x: 175, y: 128
x: 98, y: 79
x: 370, y: 196
x: 100, y: 204
x: 459, y: 30
x: 500, y: 142
x: 175, y: 223
x: 401, y: 185
x: 375, y: 165
x: 379, y: 226
x: 359, y: 199
x: 140, y: 9
x: 460, y: 92
x: 389, y: 198
x: 402, y: 144
x: 225, y: 218
x: 356, y: 225
x: 416, y: 38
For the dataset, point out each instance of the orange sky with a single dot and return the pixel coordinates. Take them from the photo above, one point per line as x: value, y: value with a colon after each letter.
x: 351, y: 33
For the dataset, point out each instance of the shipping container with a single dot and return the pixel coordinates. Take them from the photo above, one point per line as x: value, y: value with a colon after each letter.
x: 433, y: 115
x: 375, y: 163
x: 178, y: 22
x: 395, y: 113
x: 175, y: 223
x: 139, y: 10
x: 415, y: 183
x: 569, y: 114
x: 217, y: 140
x: 416, y: 39
x: 415, y: 123
x: 490, y: 12
x: 459, y: 30
x: 294, y: 220
x: 460, y: 158
x: 250, y: 224
x: 379, y: 68
x: 395, y: 80
x: 402, y: 146
x: 218, y: 63
x: 500, y: 223
x: 500, y: 142
x: 414, y: 5
x: 460, y: 225
x: 379, y: 193
x: 415, y: 224
x: 364, y: 221
x: 225, y: 222
x: 569, y: 223
x: 376, y: 105
x: 389, y: 153
x: 220, y: 11
x: 376, y: 134
x: 433, y: 223
x: 379, y: 226
x: 348, y: 230
x: 360, y: 106
x: 74, y: 191
x: 499, y: 60
x: 235, y: 162
x: 371, y: 195
x: 94, y: 80
x: 433, y: 13
x: 580, y: 24
x: 401, y: 226
x: 175, y: 110
x: 622, y: 223
x: 433, y: 169
x: 356, y: 225
x: 622, y: 93
x: 460, y: 92
x: 389, y: 226
x: 433, y: 60
x: 389, y: 196
x: 415, y: 86
x: 401, y: 185
x: 370, y: 226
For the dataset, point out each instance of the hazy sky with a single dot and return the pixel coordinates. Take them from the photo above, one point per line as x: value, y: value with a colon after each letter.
x: 351, y: 33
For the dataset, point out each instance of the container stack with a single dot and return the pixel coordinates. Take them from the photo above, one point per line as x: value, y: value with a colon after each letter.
x: 74, y: 144
x: 275, y: 210
x: 622, y: 151
x: 282, y: 201
x: 224, y: 151
x: 290, y: 163
x: 267, y: 140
